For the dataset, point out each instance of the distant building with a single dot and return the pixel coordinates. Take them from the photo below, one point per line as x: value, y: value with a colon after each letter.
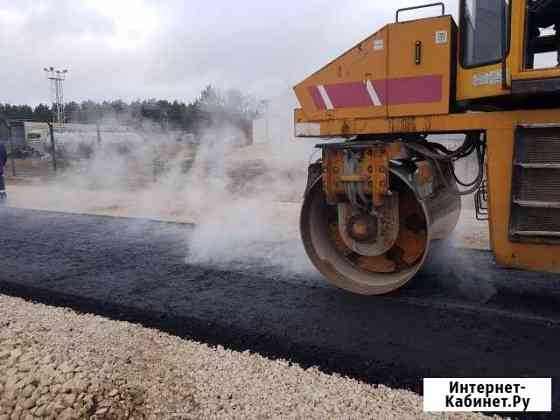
x: 37, y: 134
x: 24, y: 133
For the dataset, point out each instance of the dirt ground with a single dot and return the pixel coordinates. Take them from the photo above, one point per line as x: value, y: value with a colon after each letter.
x: 470, y: 233
x: 38, y: 196
x: 26, y: 169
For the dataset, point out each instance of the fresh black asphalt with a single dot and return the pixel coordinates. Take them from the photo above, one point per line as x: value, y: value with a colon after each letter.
x: 461, y: 317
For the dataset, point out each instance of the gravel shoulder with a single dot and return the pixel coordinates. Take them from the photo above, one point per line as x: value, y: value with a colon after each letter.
x: 55, y: 363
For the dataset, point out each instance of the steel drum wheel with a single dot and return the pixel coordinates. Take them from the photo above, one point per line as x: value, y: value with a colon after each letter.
x: 359, y: 274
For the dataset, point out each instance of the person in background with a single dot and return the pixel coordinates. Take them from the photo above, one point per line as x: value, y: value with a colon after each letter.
x: 3, y: 160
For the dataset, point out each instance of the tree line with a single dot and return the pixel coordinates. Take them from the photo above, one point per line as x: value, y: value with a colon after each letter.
x: 212, y: 107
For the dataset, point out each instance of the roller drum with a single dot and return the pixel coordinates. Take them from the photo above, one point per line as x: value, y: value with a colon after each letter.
x: 423, y: 218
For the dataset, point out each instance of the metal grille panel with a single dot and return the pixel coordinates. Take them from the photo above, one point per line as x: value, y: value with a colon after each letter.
x: 539, y: 220
x: 535, y: 208
x: 538, y: 185
x: 538, y: 145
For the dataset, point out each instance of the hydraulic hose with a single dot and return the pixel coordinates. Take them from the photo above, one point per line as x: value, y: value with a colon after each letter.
x: 437, y: 153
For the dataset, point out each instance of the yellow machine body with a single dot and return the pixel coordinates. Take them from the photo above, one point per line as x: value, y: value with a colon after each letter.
x: 423, y: 77
x: 372, y: 79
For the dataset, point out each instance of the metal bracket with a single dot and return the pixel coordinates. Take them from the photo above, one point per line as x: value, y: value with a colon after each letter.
x: 481, y: 202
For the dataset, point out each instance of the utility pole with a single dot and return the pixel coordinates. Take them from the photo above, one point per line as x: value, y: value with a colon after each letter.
x: 53, y: 146
x: 56, y: 77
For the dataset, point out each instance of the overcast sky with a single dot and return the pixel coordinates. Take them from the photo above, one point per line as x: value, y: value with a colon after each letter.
x: 171, y: 49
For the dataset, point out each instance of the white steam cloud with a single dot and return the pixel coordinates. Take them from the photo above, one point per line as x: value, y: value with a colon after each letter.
x: 243, y: 200
x: 247, y: 201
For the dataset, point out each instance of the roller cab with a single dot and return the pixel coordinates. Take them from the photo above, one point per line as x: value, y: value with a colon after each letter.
x: 508, y: 54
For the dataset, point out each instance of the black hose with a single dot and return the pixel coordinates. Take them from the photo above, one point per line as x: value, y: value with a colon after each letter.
x: 437, y: 153
x: 480, y: 161
x: 475, y: 185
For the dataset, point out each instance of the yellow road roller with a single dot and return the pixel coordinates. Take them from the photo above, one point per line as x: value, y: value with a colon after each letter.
x: 383, y: 190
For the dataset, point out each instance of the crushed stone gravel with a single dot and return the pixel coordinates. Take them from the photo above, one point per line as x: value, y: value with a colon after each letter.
x: 57, y: 364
